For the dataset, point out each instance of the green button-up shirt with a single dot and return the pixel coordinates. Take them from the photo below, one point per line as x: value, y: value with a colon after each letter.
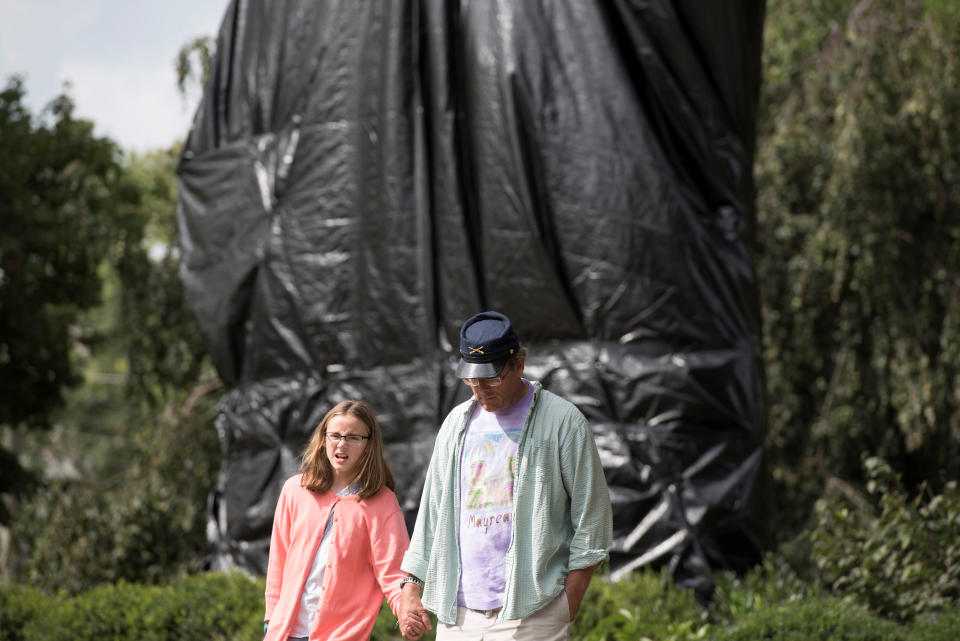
x: 562, y: 516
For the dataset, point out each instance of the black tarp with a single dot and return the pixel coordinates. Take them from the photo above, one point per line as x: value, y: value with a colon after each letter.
x: 363, y: 175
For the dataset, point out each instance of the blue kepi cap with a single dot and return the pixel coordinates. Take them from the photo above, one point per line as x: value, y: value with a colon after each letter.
x: 487, y: 340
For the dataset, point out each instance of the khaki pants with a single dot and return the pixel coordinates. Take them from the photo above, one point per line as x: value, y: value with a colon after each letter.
x: 552, y: 623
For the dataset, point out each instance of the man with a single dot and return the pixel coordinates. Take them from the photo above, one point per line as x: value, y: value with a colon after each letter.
x: 515, y: 514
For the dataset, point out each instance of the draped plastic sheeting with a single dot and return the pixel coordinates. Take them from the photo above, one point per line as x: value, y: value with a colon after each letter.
x: 362, y: 176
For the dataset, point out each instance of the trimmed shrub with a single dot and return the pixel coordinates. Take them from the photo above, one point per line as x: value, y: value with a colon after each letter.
x: 823, y: 619
x: 643, y: 607
x: 18, y: 606
x: 216, y: 606
x: 940, y: 628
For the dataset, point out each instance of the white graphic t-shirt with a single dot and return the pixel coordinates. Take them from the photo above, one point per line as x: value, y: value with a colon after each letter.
x: 488, y: 467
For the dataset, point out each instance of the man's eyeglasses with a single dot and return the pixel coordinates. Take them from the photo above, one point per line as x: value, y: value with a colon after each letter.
x: 352, y: 439
x: 493, y: 381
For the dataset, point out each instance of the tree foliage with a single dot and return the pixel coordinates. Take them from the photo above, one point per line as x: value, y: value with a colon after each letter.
x: 140, y: 515
x: 62, y: 198
x: 159, y: 336
x: 139, y: 433
x: 91, y: 269
x: 859, y: 237
x: 61, y: 195
x: 194, y: 62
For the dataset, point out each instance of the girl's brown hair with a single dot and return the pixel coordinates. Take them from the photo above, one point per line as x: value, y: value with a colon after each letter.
x: 373, y: 474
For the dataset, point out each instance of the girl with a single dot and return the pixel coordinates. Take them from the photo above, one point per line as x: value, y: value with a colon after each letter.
x: 338, y: 536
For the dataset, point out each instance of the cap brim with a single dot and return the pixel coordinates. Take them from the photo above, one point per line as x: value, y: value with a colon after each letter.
x: 479, y: 370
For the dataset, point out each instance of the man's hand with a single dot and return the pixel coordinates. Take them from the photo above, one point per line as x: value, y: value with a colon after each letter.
x: 576, y: 587
x: 413, y: 618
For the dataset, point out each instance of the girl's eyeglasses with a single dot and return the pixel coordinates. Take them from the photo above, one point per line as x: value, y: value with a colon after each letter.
x: 351, y: 439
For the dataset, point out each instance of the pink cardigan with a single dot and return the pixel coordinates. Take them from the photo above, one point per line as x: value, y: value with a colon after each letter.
x: 363, y: 566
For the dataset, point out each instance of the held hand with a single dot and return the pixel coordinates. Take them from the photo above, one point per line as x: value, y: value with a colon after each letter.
x: 414, y: 626
x: 413, y: 618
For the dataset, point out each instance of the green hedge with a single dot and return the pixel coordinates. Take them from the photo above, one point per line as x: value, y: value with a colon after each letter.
x: 216, y: 606
x: 18, y: 606
x: 833, y: 619
x: 824, y: 619
x: 642, y: 607
x: 936, y: 628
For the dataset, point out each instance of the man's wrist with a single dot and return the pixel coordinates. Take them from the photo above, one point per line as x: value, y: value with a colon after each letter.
x: 410, y: 579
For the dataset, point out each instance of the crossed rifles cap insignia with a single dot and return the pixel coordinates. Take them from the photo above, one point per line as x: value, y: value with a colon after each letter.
x: 476, y: 350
